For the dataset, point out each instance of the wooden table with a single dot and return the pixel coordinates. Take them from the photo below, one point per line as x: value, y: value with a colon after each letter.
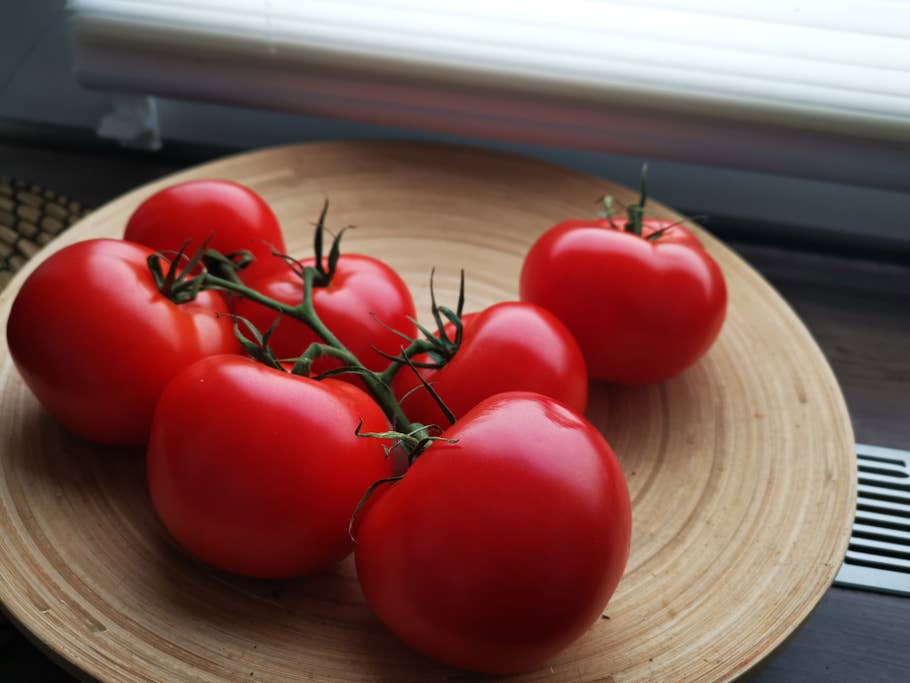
x: 858, y: 310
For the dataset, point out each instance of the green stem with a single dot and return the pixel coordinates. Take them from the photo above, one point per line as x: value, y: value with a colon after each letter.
x: 305, y: 313
x: 215, y: 282
x: 304, y: 363
x: 636, y: 212
x: 415, y: 348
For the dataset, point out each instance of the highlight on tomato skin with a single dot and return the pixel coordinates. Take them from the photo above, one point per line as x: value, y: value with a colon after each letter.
x: 509, y: 346
x: 642, y: 310
x: 256, y: 471
x: 223, y: 214
x: 501, y: 547
x: 96, y: 341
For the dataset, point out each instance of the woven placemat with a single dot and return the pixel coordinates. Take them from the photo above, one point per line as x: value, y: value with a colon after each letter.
x: 30, y: 217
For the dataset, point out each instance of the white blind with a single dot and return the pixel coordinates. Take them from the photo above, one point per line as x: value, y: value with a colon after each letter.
x: 586, y: 67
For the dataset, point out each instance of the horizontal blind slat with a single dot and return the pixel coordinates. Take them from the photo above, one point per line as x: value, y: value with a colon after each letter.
x: 608, y: 51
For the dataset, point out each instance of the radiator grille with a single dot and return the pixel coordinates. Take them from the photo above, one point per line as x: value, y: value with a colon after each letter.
x: 878, y: 557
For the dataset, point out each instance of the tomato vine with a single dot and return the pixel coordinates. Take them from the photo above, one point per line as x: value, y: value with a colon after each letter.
x: 208, y: 269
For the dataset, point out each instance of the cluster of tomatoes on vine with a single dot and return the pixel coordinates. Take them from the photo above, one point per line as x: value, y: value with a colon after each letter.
x: 290, y: 407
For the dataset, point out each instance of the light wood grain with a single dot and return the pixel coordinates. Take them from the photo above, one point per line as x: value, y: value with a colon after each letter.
x: 741, y: 470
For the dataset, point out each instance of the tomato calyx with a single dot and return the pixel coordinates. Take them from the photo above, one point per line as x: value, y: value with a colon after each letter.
x: 439, y: 346
x: 325, y: 271
x: 414, y: 442
x: 257, y: 348
x: 443, y: 346
x: 179, y: 284
x: 635, y: 213
x: 324, y: 266
x: 635, y: 223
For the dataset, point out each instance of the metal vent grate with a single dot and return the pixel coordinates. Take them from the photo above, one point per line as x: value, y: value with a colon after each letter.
x: 878, y: 557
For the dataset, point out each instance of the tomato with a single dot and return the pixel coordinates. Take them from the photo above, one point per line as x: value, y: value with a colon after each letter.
x: 509, y: 346
x: 499, y: 549
x: 232, y: 217
x: 642, y: 310
x: 363, y: 299
x: 96, y: 341
x: 257, y: 471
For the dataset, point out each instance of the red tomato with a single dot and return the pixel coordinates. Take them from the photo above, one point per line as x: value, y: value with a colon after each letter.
x: 96, y: 341
x: 363, y: 295
x: 495, y: 552
x: 256, y: 471
x: 232, y: 217
x: 510, y: 346
x: 642, y: 310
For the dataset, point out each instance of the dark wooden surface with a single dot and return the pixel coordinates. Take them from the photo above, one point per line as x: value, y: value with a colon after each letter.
x: 857, y: 309
x: 859, y: 312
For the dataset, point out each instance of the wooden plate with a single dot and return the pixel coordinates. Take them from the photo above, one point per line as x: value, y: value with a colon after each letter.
x: 741, y: 470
